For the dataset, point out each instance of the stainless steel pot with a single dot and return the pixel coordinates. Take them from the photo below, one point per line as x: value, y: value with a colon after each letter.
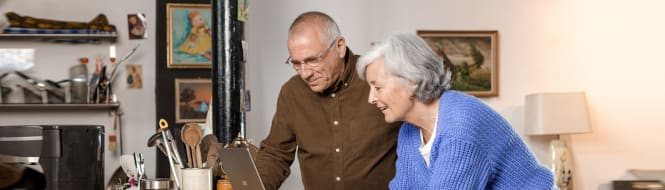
x: 156, y: 184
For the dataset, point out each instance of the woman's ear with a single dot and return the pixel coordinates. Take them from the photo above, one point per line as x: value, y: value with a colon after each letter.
x: 412, y: 88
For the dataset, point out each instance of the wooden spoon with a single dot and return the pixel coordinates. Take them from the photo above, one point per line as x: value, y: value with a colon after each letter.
x: 206, y: 142
x: 199, y: 162
x: 188, y: 149
x: 192, y: 136
x: 213, y: 159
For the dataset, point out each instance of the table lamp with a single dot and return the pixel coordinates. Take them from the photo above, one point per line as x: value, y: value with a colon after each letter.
x: 557, y: 114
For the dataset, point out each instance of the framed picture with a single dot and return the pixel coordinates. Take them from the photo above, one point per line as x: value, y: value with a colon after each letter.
x: 192, y: 98
x: 474, y: 57
x: 136, y: 24
x: 189, y: 35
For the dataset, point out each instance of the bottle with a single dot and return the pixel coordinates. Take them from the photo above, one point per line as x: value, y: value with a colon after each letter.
x: 78, y: 81
x: 224, y: 184
x: 92, y: 93
x: 103, y: 90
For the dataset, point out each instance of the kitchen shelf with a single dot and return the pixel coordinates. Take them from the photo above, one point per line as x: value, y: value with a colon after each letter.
x: 75, y: 38
x: 33, y: 107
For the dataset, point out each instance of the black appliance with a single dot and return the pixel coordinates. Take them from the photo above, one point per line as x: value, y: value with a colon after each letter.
x: 71, y: 156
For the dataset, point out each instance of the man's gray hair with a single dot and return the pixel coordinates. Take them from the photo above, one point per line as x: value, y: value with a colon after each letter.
x: 408, y: 57
x: 329, y: 26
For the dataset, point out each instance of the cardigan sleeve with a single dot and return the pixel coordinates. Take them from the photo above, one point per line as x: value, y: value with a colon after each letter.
x: 459, y: 165
x: 401, y: 179
x: 404, y: 165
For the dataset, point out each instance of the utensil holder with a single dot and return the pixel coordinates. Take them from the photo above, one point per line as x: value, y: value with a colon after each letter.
x: 196, y: 179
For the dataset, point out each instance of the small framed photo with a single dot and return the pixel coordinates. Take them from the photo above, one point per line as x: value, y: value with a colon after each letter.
x: 192, y: 98
x: 136, y: 24
x: 134, y: 76
x: 189, y: 35
x: 474, y: 56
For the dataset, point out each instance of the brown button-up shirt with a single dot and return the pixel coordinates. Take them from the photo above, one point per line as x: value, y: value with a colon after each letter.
x: 342, y: 141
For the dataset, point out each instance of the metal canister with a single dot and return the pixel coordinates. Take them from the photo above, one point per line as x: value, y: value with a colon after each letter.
x: 157, y: 184
x: 78, y: 85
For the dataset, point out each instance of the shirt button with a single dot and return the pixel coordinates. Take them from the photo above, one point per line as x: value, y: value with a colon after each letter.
x: 338, y: 178
x: 333, y: 95
x: 335, y: 122
x: 346, y: 84
x: 337, y: 150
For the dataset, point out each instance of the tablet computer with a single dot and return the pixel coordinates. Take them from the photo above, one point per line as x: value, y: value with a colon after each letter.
x: 239, y: 165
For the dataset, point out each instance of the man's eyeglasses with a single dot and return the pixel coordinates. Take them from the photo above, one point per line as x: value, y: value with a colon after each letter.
x: 312, y: 61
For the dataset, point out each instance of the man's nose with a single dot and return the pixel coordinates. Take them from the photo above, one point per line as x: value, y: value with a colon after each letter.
x: 305, y: 73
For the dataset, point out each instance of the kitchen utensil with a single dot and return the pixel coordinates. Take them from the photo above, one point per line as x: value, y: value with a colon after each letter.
x: 118, y: 128
x: 212, y: 161
x: 30, y: 80
x: 118, y: 176
x: 141, y: 166
x: 174, y: 148
x: 138, y: 161
x: 112, y: 137
x: 188, y: 148
x: 115, y: 67
x: 206, y: 143
x: 156, y: 140
x: 163, y: 126
x: 192, y: 137
x: 197, y: 148
x: 128, y: 165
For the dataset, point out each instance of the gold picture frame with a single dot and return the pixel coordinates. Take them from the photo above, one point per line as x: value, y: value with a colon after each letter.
x: 189, y: 37
x: 475, y: 59
x: 192, y: 99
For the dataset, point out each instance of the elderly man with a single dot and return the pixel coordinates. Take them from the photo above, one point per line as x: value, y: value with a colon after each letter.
x: 342, y: 142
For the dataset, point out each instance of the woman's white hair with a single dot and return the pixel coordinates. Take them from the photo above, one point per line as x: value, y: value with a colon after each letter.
x: 408, y: 57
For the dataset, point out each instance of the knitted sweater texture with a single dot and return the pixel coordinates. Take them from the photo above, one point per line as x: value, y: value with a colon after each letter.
x: 474, y: 148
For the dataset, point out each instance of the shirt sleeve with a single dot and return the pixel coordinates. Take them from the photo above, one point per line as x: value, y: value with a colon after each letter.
x: 277, y: 152
x: 459, y: 165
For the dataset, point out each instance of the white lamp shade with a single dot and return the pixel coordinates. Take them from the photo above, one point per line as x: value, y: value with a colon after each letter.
x: 556, y: 113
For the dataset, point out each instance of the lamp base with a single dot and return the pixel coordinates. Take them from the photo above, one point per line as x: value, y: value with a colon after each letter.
x: 561, y: 164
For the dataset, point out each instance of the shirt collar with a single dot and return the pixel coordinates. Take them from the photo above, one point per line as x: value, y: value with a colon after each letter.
x: 349, y: 69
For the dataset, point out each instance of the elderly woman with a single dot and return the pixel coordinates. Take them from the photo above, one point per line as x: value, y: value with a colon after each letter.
x: 449, y: 140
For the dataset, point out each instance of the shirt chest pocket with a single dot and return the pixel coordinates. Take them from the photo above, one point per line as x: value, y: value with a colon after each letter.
x: 368, y: 133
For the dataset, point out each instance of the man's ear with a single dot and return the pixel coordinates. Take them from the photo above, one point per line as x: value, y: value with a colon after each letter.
x: 341, y: 47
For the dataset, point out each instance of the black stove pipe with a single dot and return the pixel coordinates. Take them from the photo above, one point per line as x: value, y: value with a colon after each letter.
x: 228, y: 70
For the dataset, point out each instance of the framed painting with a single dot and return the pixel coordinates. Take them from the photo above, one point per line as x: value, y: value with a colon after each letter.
x: 193, y: 98
x: 474, y: 57
x: 189, y: 35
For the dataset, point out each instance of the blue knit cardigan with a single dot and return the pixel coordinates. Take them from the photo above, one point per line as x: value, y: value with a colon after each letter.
x: 474, y: 148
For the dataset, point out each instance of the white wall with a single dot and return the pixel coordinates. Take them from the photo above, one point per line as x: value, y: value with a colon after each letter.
x: 53, y: 61
x: 610, y: 49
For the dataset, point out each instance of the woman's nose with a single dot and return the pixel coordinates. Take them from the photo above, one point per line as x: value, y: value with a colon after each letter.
x: 371, y: 99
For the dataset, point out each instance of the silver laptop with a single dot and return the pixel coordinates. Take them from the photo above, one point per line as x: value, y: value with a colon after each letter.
x: 239, y: 166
